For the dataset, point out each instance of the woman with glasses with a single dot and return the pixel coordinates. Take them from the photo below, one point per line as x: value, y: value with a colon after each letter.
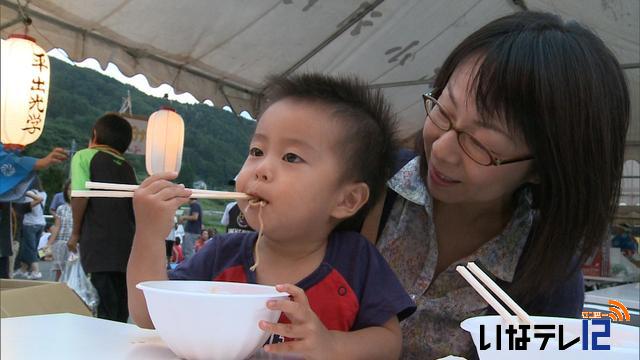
x: 518, y: 169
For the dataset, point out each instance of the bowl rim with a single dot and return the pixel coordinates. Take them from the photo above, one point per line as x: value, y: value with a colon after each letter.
x: 145, y: 285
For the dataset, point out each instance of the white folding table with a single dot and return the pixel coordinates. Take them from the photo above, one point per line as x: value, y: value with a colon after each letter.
x: 628, y: 294
x: 77, y: 337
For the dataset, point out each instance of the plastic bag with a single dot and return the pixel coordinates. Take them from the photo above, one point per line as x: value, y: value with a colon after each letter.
x: 74, y: 276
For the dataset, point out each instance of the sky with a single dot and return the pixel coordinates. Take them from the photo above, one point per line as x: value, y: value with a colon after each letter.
x: 139, y: 81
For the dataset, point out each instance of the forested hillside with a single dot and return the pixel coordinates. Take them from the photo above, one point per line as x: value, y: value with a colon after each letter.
x: 216, y: 140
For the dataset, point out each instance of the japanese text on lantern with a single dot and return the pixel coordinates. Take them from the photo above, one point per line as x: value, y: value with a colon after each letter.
x: 37, y: 95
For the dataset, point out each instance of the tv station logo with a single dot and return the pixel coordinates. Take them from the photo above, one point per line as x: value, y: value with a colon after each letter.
x: 619, y: 312
x: 596, y: 328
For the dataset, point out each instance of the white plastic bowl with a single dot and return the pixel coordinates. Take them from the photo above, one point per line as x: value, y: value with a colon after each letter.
x: 210, y: 319
x: 624, y: 340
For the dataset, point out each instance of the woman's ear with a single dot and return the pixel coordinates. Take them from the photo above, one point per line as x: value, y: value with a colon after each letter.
x: 350, y: 200
x: 533, y: 178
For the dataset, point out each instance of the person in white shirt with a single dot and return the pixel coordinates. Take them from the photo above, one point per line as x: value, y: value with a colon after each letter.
x: 169, y: 240
x: 225, y: 216
x: 233, y: 219
x: 33, y: 224
x: 44, y: 238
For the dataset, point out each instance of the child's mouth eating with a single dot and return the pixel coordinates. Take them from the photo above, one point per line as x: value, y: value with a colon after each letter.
x: 255, y: 200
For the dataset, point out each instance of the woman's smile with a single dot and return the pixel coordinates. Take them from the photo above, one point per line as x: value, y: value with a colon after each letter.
x: 439, y: 179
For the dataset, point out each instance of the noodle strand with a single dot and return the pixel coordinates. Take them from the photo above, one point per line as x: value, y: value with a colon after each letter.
x: 261, y: 204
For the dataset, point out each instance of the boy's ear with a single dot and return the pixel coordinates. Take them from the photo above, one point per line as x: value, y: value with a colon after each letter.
x: 92, y: 141
x: 350, y: 200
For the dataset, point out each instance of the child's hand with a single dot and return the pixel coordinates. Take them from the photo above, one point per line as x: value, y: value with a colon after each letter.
x: 155, y: 203
x: 312, y: 339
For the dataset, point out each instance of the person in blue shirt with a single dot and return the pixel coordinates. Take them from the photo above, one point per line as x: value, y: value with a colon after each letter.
x: 319, y: 156
x: 192, y: 227
x: 623, y: 240
x: 17, y: 171
x: 16, y: 174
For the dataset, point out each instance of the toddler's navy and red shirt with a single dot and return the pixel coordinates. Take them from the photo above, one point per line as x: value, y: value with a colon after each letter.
x: 353, y: 288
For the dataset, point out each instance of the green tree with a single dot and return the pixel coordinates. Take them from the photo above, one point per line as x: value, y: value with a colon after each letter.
x: 216, y: 141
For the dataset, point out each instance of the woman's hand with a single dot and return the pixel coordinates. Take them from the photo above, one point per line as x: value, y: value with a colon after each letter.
x: 155, y: 203
x: 312, y: 339
x: 36, y: 199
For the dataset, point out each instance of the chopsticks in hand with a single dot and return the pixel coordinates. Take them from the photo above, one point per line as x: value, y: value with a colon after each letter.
x: 111, y: 190
x: 495, y: 304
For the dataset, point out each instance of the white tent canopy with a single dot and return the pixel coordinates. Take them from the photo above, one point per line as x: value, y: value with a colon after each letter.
x: 224, y: 49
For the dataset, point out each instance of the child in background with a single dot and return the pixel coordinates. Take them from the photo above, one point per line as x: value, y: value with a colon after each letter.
x: 319, y: 157
x: 44, y: 251
x: 176, y: 254
x: 212, y: 232
x: 169, y: 242
x: 204, y: 236
x: 61, y: 233
x: 105, y: 226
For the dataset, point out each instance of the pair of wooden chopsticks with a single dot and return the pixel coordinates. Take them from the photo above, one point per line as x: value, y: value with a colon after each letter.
x: 506, y: 299
x: 111, y: 190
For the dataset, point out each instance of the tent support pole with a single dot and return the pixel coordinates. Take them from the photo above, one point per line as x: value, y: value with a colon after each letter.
x: 226, y: 99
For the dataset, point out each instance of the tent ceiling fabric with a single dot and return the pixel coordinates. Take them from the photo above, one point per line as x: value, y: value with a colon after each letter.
x: 223, y: 50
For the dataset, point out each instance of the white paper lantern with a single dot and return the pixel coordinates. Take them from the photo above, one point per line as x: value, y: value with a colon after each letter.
x: 165, y: 139
x: 24, y: 92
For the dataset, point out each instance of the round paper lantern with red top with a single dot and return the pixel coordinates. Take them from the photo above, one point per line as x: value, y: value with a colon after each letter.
x: 25, y: 90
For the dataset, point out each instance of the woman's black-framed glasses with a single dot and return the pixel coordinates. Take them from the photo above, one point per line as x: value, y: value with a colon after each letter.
x: 470, y: 145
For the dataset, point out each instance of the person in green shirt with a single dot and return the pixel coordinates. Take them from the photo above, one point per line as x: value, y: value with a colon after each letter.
x: 104, y: 227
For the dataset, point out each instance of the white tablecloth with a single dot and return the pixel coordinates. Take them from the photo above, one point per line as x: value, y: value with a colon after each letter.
x: 71, y: 337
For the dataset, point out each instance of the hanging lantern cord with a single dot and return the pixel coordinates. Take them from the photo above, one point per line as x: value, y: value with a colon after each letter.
x: 26, y: 20
x: 22, y: 17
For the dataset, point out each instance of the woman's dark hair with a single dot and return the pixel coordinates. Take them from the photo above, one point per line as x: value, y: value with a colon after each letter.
x: 561, y: 89
x: 369, y: 137
x: 113, y: 130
